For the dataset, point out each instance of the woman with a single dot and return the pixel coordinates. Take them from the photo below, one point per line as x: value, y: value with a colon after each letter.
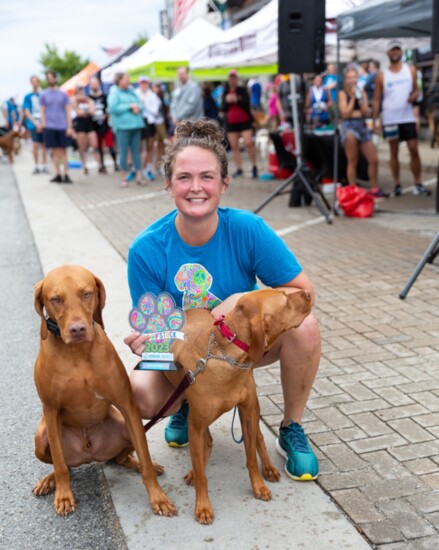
x: 355, y: 135
x: 224, y: 245
x: 85, y: 133
x: 125, y: 109
x: 239, y: 122
x: 318, y: 101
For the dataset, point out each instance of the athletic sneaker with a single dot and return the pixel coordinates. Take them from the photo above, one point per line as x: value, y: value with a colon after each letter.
x: 378, y: 193
x: 398, y: 190
x: 67, y: 179
x: 419, y: 189
x: 56, y: 179
x: 44, y: 170
x: 293, y: 445
x: 237, y: 173
x: 176, y: 431
x: 36, y: 170
x: 150, y: 176
x: 131, y: 176
x: 254, y: 172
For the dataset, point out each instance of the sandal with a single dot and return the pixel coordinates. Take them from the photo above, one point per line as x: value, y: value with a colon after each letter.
x: 124, y: 184
x: 142, y: 182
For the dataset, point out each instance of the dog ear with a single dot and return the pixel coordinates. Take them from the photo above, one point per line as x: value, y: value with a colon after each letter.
x: 97, y: 314
x: 258, y: 341
x: 39, y: 308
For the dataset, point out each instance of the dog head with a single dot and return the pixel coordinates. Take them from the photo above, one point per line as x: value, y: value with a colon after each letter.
x: 269, y: 313
x: 73, y: 297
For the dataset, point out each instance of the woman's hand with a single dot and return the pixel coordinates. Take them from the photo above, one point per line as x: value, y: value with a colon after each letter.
x: 136, y: 342
x: 135, y: 108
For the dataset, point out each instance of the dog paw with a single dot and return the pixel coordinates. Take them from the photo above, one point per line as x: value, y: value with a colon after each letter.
x: 64, y: 503
x: 163, y: 506
x: 45, y: 486
x: 204, y: 514
x: 270, y: 473
x: 262, y: 492
x: 156, y: 314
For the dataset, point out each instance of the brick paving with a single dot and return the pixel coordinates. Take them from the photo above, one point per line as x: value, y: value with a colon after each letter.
x: 373, y: 414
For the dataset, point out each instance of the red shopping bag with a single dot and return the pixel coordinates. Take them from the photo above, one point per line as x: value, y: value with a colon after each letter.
x: 355, y: 202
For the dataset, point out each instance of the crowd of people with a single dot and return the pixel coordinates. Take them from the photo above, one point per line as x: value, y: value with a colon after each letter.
x: 134, y: 122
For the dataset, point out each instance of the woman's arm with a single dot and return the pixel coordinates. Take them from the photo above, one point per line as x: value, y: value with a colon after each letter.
x: 364, y: 105
x: 346, y: 103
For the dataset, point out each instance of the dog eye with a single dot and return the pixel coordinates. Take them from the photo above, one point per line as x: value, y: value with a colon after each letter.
x: 55, y: 300
x: 87, y: 295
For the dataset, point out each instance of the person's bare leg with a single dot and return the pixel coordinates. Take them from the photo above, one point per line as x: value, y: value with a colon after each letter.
x: 415, y: 161
x: 369, y: 151
x: 351, y: 149
x: 299, y: 352
x: 247, y: 136
x: 394, y: 163
x: 233, y: 138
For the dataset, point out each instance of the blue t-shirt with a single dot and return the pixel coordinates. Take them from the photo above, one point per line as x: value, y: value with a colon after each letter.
x: 32, y: 102
x: 55, y: 101
x: 243, y: 247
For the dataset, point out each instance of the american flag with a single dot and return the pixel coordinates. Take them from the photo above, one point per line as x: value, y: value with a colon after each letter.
x: 112, y: 51
x: 181, y: 9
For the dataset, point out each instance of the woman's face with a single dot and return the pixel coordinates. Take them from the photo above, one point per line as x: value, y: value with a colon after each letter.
x: 317, y: 80
x: 124, y: 82
x: 196, y: 184
x: 351, y: 79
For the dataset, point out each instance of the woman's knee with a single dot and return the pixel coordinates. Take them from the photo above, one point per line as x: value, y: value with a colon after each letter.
x: 308, y: 333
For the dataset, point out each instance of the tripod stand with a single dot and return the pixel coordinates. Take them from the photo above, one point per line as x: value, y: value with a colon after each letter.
x: 429, y: 256
x: 300, y: 173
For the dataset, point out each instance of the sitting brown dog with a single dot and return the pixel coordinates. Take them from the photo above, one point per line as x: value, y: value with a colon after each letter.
x: 8, y: 145
x: 225, y: 378
x: 81, y: 380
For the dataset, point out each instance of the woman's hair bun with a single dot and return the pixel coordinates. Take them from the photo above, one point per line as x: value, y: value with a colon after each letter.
x: 199, y: 129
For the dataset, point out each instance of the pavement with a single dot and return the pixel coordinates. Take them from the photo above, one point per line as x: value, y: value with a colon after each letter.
x: 373, y: 416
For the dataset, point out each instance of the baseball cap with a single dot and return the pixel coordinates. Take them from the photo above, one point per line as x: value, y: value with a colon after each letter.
x: 143, y: 79
x: 233, y: 73
x: 394, y: 43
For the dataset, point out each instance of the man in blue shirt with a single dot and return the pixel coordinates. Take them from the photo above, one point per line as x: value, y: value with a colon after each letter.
x: 32, y: 117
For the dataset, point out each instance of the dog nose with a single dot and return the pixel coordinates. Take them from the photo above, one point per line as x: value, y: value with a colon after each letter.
x: 77, y: 329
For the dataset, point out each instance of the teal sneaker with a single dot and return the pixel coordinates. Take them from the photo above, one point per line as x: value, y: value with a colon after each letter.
x: 292, y: 444
x: 176, y: 431
x: 131, y: 176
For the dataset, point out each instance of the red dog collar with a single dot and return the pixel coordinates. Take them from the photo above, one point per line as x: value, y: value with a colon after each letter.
x: 229, y: 335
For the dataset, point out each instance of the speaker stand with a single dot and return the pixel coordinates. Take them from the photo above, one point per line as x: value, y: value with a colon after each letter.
x: 300, y: 172
x: 429, y: 256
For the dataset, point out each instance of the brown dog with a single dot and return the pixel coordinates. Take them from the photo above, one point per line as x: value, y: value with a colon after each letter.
x: 258, y: 319
x: 7, y: 143
x: 81, y: 380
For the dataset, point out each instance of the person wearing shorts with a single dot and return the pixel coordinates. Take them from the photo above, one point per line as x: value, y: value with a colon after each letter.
x: 32, y: 116
x: 355, y: 135
x: 397, y: 89
x: 86, y: 135
x: 239, y: 122
x: 57, y: 124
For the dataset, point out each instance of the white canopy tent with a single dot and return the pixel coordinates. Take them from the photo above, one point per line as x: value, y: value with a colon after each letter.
x: 254, y: 42
x: 156, y: 43
x: 164, y: 61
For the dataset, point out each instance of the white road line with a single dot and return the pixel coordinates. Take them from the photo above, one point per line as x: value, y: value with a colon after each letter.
x: 135, y: 198
x: 292, y: 228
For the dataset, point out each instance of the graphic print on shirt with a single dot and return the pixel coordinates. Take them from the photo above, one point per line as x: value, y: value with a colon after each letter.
x: 194, y: 281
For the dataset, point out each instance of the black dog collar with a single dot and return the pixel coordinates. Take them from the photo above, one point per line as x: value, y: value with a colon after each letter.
x: 53, y: 327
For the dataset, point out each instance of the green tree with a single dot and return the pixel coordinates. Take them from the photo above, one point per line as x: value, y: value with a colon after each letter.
x: 141, y: 39
x: 65, y: 65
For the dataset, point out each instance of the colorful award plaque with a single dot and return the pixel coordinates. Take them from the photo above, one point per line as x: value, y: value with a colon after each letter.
x: 161, y: 321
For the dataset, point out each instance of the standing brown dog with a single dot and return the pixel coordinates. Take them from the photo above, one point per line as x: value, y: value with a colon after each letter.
x: 81, y: 380
x: 227, y: 380
x: 7, y: 144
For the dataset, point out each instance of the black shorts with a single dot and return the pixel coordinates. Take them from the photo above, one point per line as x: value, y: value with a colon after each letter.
x: 148, y: 131
x: 84, y: 125
x: 402, y: 132
x: 240, y: 127
x: 56, y: 139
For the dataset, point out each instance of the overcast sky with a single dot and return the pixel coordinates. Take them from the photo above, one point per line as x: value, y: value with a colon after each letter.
x: 79, y: 25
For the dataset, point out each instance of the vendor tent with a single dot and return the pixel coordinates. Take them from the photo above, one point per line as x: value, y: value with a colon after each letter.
x: 81, y: 78
x: 252, y: 46
x: 386, y: 19
x: 163, y: 63
x: 137, y: 58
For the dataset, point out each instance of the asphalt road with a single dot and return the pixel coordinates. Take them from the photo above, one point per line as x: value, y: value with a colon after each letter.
x: 28, y: 522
